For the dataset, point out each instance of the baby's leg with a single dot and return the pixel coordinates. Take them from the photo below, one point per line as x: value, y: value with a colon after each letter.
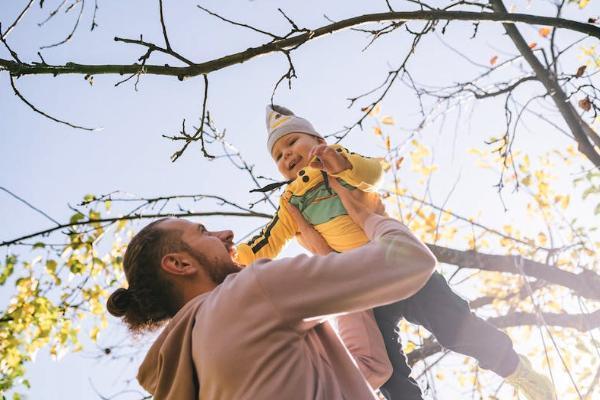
x: 448, y: 317
x: 400, y: 386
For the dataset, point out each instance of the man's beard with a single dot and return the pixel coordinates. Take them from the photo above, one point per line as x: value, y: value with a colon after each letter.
x: 216, y: 269
x: 219, y: 270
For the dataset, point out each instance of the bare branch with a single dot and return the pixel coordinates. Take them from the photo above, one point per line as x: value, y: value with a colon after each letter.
x: 199, y: 134
x: 11, y: 51
x: 162, y: 23
x: 153, y: 47
x: 70, y: 35
x: 298, y: 39
x: 585, y: 283
x: 29, y: 205
x: 16, y: 21
x: 52, y: 13
x: 136, y: 216
x: 94, y: 24
x: 237, y: 23
x: 550, y: 83
x: 24, y: 100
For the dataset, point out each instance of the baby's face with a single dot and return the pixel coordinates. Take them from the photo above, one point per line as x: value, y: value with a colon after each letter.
x: 291, y: 152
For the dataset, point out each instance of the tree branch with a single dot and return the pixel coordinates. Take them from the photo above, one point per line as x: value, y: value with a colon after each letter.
x: 585, y: 284
x: 553, y: 87
x: 295, y: 40
x: 136, y: 217
x: 16, y: 21
x: 24, y: 100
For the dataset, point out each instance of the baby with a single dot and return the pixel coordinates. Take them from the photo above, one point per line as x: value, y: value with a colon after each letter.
x: 307, y: 162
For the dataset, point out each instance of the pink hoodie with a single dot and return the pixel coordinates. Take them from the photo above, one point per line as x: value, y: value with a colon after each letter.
x: 260, y: 334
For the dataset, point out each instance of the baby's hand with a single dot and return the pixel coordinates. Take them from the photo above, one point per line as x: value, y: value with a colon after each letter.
x: 328, y: 160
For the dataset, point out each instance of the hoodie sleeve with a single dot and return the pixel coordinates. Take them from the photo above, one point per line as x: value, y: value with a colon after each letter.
x: 362, y: 338
x: 393, y: 266
x: 271, y: 239
x: 365, y: 174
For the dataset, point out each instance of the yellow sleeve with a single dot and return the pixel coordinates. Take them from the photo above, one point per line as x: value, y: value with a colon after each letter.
x: 271, y: 239
x: 365, y: 174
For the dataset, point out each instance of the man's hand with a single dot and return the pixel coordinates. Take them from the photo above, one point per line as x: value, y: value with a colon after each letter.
x: 360, y: 205
x: 308, y: 238
x: 328, y: 160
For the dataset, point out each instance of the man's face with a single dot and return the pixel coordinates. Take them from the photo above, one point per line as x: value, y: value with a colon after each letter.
x: 291, y: 152
x: 213, y: 250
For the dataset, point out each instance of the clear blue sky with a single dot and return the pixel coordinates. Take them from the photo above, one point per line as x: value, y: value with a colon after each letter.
x: 51, y: 165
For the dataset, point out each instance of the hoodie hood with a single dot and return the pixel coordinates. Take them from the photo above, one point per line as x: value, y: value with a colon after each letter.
x: 168, y: 365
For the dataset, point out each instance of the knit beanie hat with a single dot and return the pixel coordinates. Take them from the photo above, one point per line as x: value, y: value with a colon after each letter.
x: 281, y: 121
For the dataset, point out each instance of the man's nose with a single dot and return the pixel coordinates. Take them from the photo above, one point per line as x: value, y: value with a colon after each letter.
x: 225, y: 236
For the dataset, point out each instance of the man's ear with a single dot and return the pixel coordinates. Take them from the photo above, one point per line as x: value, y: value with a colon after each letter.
x: 177, y: 264
x: 320, y: 140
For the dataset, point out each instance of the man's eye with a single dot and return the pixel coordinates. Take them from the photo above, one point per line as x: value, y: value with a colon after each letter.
x: 293, y: 141
x: 278, y: 157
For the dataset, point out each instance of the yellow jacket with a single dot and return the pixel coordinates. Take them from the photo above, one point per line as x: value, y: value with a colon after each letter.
x: 321, y: 207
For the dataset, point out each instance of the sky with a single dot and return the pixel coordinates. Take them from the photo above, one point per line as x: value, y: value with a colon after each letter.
x: 52, y: 166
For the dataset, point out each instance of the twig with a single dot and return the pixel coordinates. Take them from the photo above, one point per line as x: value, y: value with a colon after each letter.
x: 238, y: 23
x: 94, y: 24
x: 44, y: 232
x: 12, y: 53
x: 162, y: 23
x: 70, y: 35
x: 199, y: 134
x: 16, y: 21
x: 29, y: 205
x: 24, y: 100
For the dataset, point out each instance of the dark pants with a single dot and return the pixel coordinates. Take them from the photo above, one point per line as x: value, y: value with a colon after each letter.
x: 448, y: 317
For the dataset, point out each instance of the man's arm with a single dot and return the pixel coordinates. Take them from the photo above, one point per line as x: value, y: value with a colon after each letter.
x: 362, y: 338
x: 271, y: 239
x: 394, y: 266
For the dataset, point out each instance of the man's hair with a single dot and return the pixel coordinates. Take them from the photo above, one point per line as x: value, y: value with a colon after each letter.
x: 150, y: 299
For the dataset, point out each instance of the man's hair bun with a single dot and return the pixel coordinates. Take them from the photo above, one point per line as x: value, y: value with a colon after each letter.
x: 118, y: 302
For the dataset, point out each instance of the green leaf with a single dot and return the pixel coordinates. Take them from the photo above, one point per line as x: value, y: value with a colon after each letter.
x: 51, y: 266
x: 76, y: 217
x: 89, y: 198
x: 590, y: 190
x: 39, y: 245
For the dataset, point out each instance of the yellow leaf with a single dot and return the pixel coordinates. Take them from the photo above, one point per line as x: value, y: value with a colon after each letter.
x: 583, y: 3
x: 94, y: 333
x: 388, y: 143
x: 409, y: 347
x: 387, y: 120
x: 439, y: 376
x: 542, y: 239
x: 493, y: 60
x: 377, y: 131
x: 544, y: 32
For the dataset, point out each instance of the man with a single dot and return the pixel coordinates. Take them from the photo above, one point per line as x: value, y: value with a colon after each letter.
x: 258, y: 333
